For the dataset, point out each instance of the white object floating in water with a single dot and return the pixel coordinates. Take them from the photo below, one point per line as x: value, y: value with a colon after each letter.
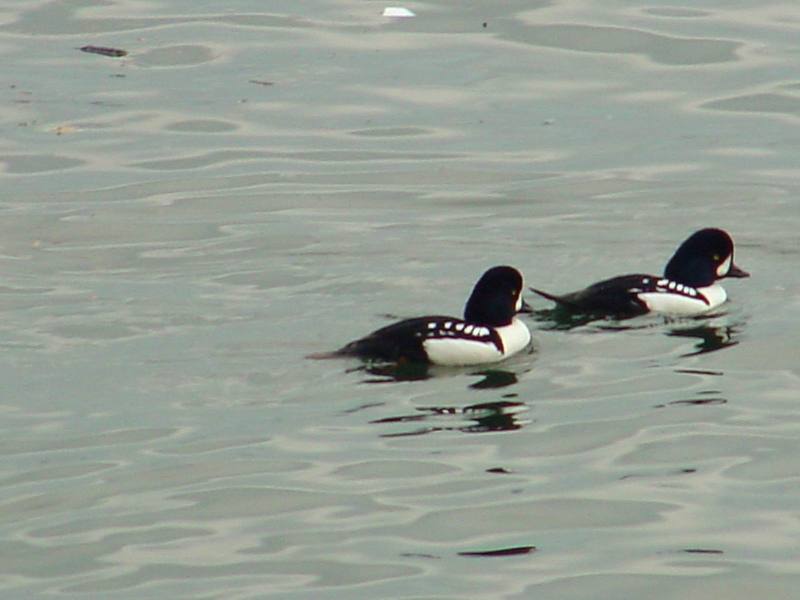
x: 397, y: 11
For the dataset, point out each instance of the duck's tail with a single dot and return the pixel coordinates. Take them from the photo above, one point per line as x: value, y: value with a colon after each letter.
x: 544, y: 294
x: 355, y: 348
x: 565, y: 301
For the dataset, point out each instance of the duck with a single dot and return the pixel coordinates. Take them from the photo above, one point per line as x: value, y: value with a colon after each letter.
x: 689, y: 286
x: 489, y: 332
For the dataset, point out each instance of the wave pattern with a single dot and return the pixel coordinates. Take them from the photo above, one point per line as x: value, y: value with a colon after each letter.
x: 183, y: 221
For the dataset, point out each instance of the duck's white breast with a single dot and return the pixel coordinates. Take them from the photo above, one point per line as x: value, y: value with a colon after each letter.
x: 677, y: 304
x: 515, y: 336
x: 459, y: 352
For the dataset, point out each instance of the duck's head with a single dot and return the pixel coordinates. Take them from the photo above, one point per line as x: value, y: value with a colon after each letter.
x: 496, y: 298
x: 706, y: 256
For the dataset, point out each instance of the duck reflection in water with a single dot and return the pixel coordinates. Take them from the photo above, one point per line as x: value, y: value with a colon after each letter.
x: 409, y: 371
x: 560, y: 319
x: 393, y: 372
x: 710, y: 337
x: 486, y: 417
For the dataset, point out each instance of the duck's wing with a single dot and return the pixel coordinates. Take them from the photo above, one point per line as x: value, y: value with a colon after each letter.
x: 399, y: 341
x: 615, y: 296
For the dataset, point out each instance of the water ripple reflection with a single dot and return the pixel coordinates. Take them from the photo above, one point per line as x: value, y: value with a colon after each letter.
x: 662, y: 49
x: 475, y: 418
x: 711, y: 335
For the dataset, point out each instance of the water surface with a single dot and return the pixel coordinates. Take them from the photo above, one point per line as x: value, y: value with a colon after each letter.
x: 256, y: 182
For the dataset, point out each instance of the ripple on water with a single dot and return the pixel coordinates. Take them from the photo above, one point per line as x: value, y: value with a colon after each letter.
x: 24, y: 164
x: 731, y: 580
x: 166, y: 438
x: 202, y: 126
x: 661, y: 49
x: 56, y: 472
x: 392, y: 469
x: 176, y: 56
x: 222, y: 157
x: 676, y: 12
x: 467, y: 523
x: 22, y: 558
x: 765, y: 103
x: 284, y: 573
x: 10, y: 446
x: 391, y: 132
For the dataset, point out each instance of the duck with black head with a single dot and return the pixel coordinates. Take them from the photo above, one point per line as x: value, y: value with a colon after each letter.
x: 689, y: 286
x: 489, y: 332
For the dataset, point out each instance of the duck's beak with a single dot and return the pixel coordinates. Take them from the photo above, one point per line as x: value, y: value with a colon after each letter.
x: 735, y: 271
x: 525, y: 308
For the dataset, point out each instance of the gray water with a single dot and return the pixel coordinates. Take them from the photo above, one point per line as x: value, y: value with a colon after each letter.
x: 257, y: 181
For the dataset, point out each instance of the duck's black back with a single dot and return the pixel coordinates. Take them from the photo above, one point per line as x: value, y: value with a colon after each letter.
x: 398, y: 341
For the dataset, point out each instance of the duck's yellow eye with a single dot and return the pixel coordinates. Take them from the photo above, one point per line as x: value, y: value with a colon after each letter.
x: 716, y: 257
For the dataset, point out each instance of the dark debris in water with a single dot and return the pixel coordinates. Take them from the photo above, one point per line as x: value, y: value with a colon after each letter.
x: 499, y: 470
x: 104, y: 51
x: 693, y: 402
x: 702, y: 551
x: 515, y: 551
x: 700, y: 372
x: 420, y: 555
x: 700, y: 401
x: 684, y: 471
